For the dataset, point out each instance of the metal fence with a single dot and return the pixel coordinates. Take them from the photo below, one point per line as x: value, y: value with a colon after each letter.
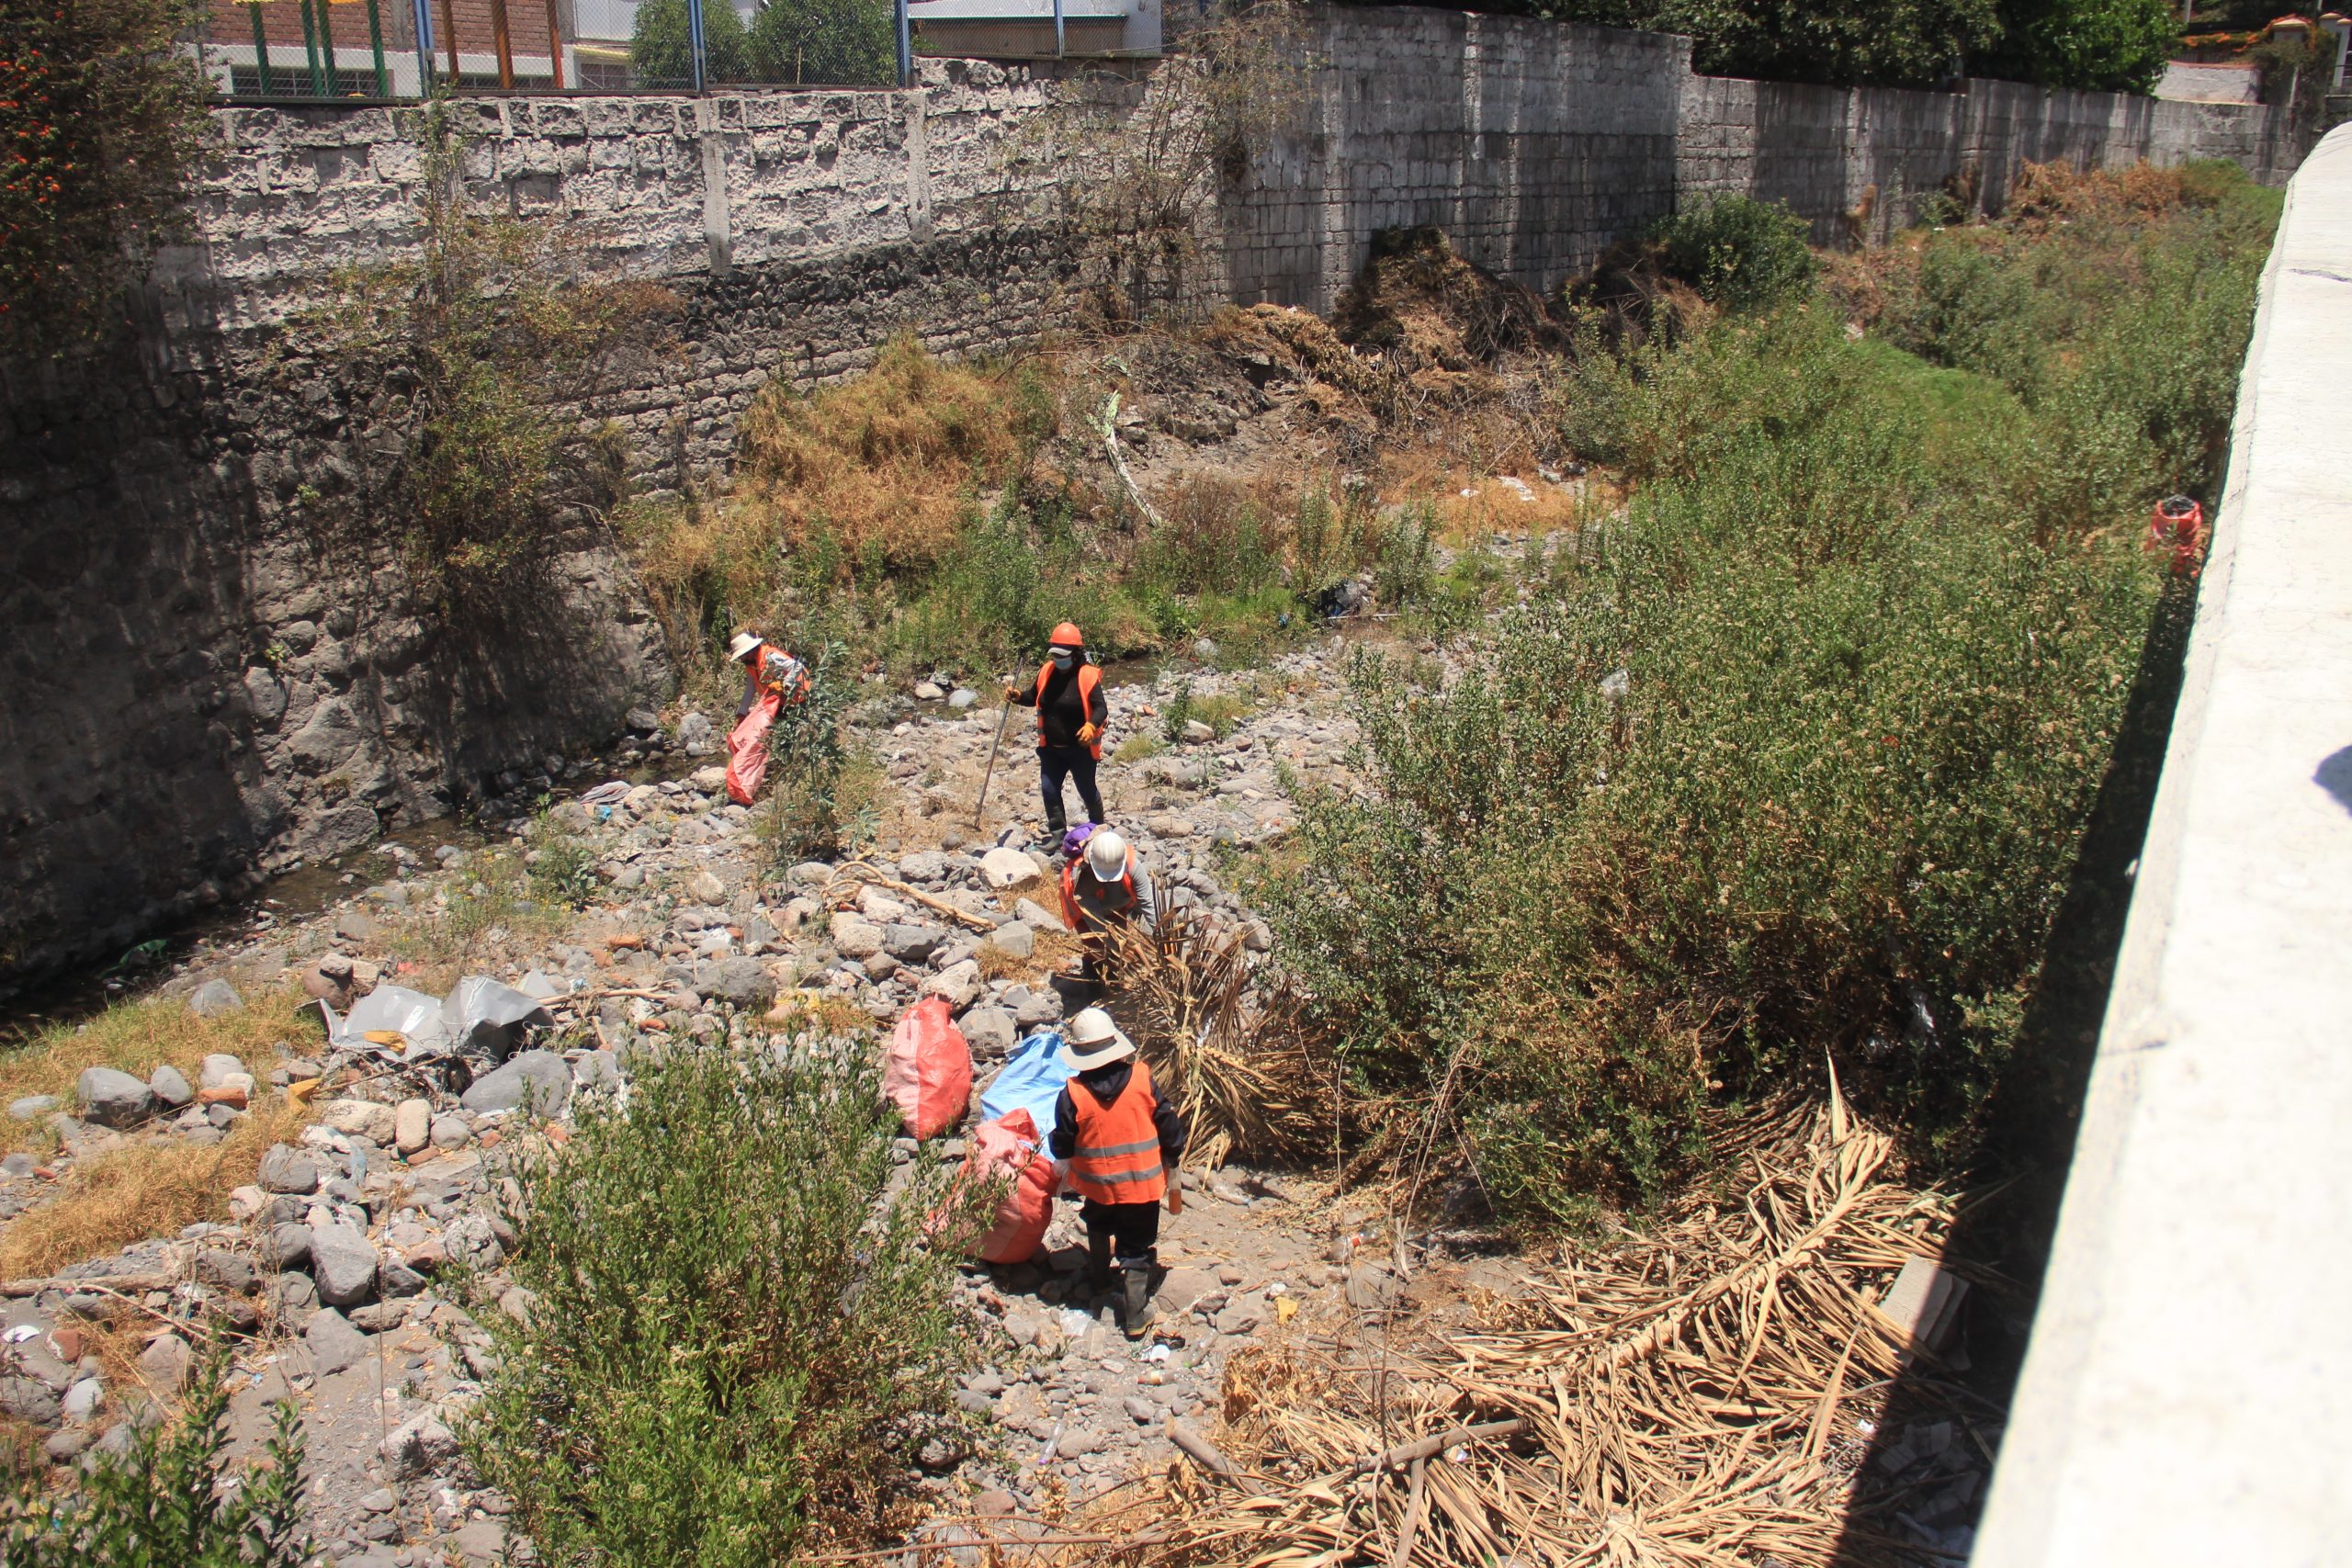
x: 405, y: 50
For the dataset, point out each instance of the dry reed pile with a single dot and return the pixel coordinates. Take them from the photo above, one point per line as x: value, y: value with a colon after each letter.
x: 1244, y: 1082
x: 1675, y: 1400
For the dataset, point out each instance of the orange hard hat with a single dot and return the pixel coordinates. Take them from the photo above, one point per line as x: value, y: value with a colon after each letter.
x: 1067, y: 635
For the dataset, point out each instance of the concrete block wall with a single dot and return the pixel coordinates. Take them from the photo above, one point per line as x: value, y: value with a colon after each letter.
x: 1533, y: 145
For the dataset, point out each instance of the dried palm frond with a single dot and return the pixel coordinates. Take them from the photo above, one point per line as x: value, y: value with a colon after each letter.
x: 1674, y: 1399
x: 1244, y: 1081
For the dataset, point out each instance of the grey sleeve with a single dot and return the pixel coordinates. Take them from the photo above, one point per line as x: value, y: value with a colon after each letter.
x: 1147, y: 909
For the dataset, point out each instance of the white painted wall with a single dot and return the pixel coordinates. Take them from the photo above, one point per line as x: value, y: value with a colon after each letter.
x: 2187, y: 1400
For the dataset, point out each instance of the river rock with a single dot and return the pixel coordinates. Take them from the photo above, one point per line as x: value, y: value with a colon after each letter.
x: 112, y: 1098
x: 959, y: 983
x: 170, y: 1087
x: 1036, y: 917
x: 420, y: 1444
x: 990, y: 1030
x: 1014, y: 941
x: 288, y: 1247
x: 855, y: 937
x: 361, y: 1117
x: 33, y: 1106
x: 218, y: 1068
x: 542, y: 1074
x: 335, y: 1343
x: 287, y: 1169
x: 166, y: 1362
x: 411, y: 1125
x: 1005, y: 867
x: 343, y: 1263
x: 912, y: 945
x: 451, y: 1133
x: 214, y: 999
x: 741, y: 982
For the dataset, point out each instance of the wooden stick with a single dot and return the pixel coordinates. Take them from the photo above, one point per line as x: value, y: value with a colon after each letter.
x: 107, y: 1284
x: 1406, y: 1453
x: 1416, y: 1500
x: 859, y: 871
x: 1200, y: 1447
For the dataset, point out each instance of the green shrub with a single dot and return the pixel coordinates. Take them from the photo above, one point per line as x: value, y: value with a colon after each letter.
x: 171, y: 1500
x: 561, y: 864
x: 1738, y: 252
x: 101, y: 119
x: 739, y: 1321
x: 826, y: 42
x: 808, y: 755
x: 1865, y: 706
x: 660, y: 46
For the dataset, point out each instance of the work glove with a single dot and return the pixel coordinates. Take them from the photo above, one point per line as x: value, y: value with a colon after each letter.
x: 1088, y: 734
x: 1012, y: 694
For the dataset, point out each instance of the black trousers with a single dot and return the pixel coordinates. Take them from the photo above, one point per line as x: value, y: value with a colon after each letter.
x: 1056, y: 763
x: 1133, y: 1228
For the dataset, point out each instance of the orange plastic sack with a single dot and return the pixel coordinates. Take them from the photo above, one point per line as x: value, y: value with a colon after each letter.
x: 928, y: 1075
x: 747, y: 750
x: 1010, y: 1147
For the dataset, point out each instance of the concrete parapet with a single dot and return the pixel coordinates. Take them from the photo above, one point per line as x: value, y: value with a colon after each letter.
x: 2187, y: 1398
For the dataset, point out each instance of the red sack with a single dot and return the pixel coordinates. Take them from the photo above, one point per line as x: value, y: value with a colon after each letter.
x: 1010, y: 1147
x: 747, y: 750
x: 928, y: 1073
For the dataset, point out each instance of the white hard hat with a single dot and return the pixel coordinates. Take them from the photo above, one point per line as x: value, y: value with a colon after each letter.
x: 744, y: 642
x: 1107, y: 855
x: 1091, y: 1040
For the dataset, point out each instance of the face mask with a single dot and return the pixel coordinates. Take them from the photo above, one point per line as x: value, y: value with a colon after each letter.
x: 1063, y: 657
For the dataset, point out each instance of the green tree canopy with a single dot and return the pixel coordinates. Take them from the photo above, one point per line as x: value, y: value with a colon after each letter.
x: 661, y: 51
x: 2110, y: 45
x: 844, y: 42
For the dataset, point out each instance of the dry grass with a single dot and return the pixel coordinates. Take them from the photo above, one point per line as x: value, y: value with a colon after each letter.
x: 151, y: 1189
x: 1679, y: 1399
x: 887, y: 460
x: 138, y: 1037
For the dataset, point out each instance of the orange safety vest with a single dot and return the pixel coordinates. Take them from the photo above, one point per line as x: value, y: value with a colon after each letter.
x: 1071, y: 910
x: 1118, y: 1148
x: 788, y: 669
x: 1089, y: 677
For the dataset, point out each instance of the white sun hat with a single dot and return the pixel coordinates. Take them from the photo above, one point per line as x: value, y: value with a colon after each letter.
x: 744, y: 642
x: 1093, y: 1040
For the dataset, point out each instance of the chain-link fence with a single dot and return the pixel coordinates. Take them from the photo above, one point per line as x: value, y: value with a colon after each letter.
x: 396, y: 50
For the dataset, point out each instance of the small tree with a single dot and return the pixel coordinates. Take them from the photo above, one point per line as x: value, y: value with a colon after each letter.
x: 100, y: 120
x: 1136, y: 171
x: 489, y: 331
x: 2107, y: 46
x: 806, y: 759
x: 169, y: 1500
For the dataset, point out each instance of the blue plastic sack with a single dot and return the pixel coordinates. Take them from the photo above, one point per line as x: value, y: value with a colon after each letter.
x: 1032, y: 1081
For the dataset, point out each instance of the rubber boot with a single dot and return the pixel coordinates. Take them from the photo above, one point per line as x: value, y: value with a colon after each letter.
x: 1136, y: 1317
x: 1098, y: 1262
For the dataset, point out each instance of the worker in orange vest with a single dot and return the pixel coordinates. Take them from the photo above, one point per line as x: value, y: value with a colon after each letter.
x: 1118, y: 1144
x: 1072, y: 712
x: 768, y: 670
x: 1103, y: 887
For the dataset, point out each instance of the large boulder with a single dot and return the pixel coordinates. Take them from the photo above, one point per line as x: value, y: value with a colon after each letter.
x: 541, y: 1075
x: 114, y: 1099
x: 855, y: 937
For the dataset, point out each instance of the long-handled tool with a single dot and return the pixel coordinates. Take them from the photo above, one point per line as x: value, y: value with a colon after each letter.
x: 980, y: 809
